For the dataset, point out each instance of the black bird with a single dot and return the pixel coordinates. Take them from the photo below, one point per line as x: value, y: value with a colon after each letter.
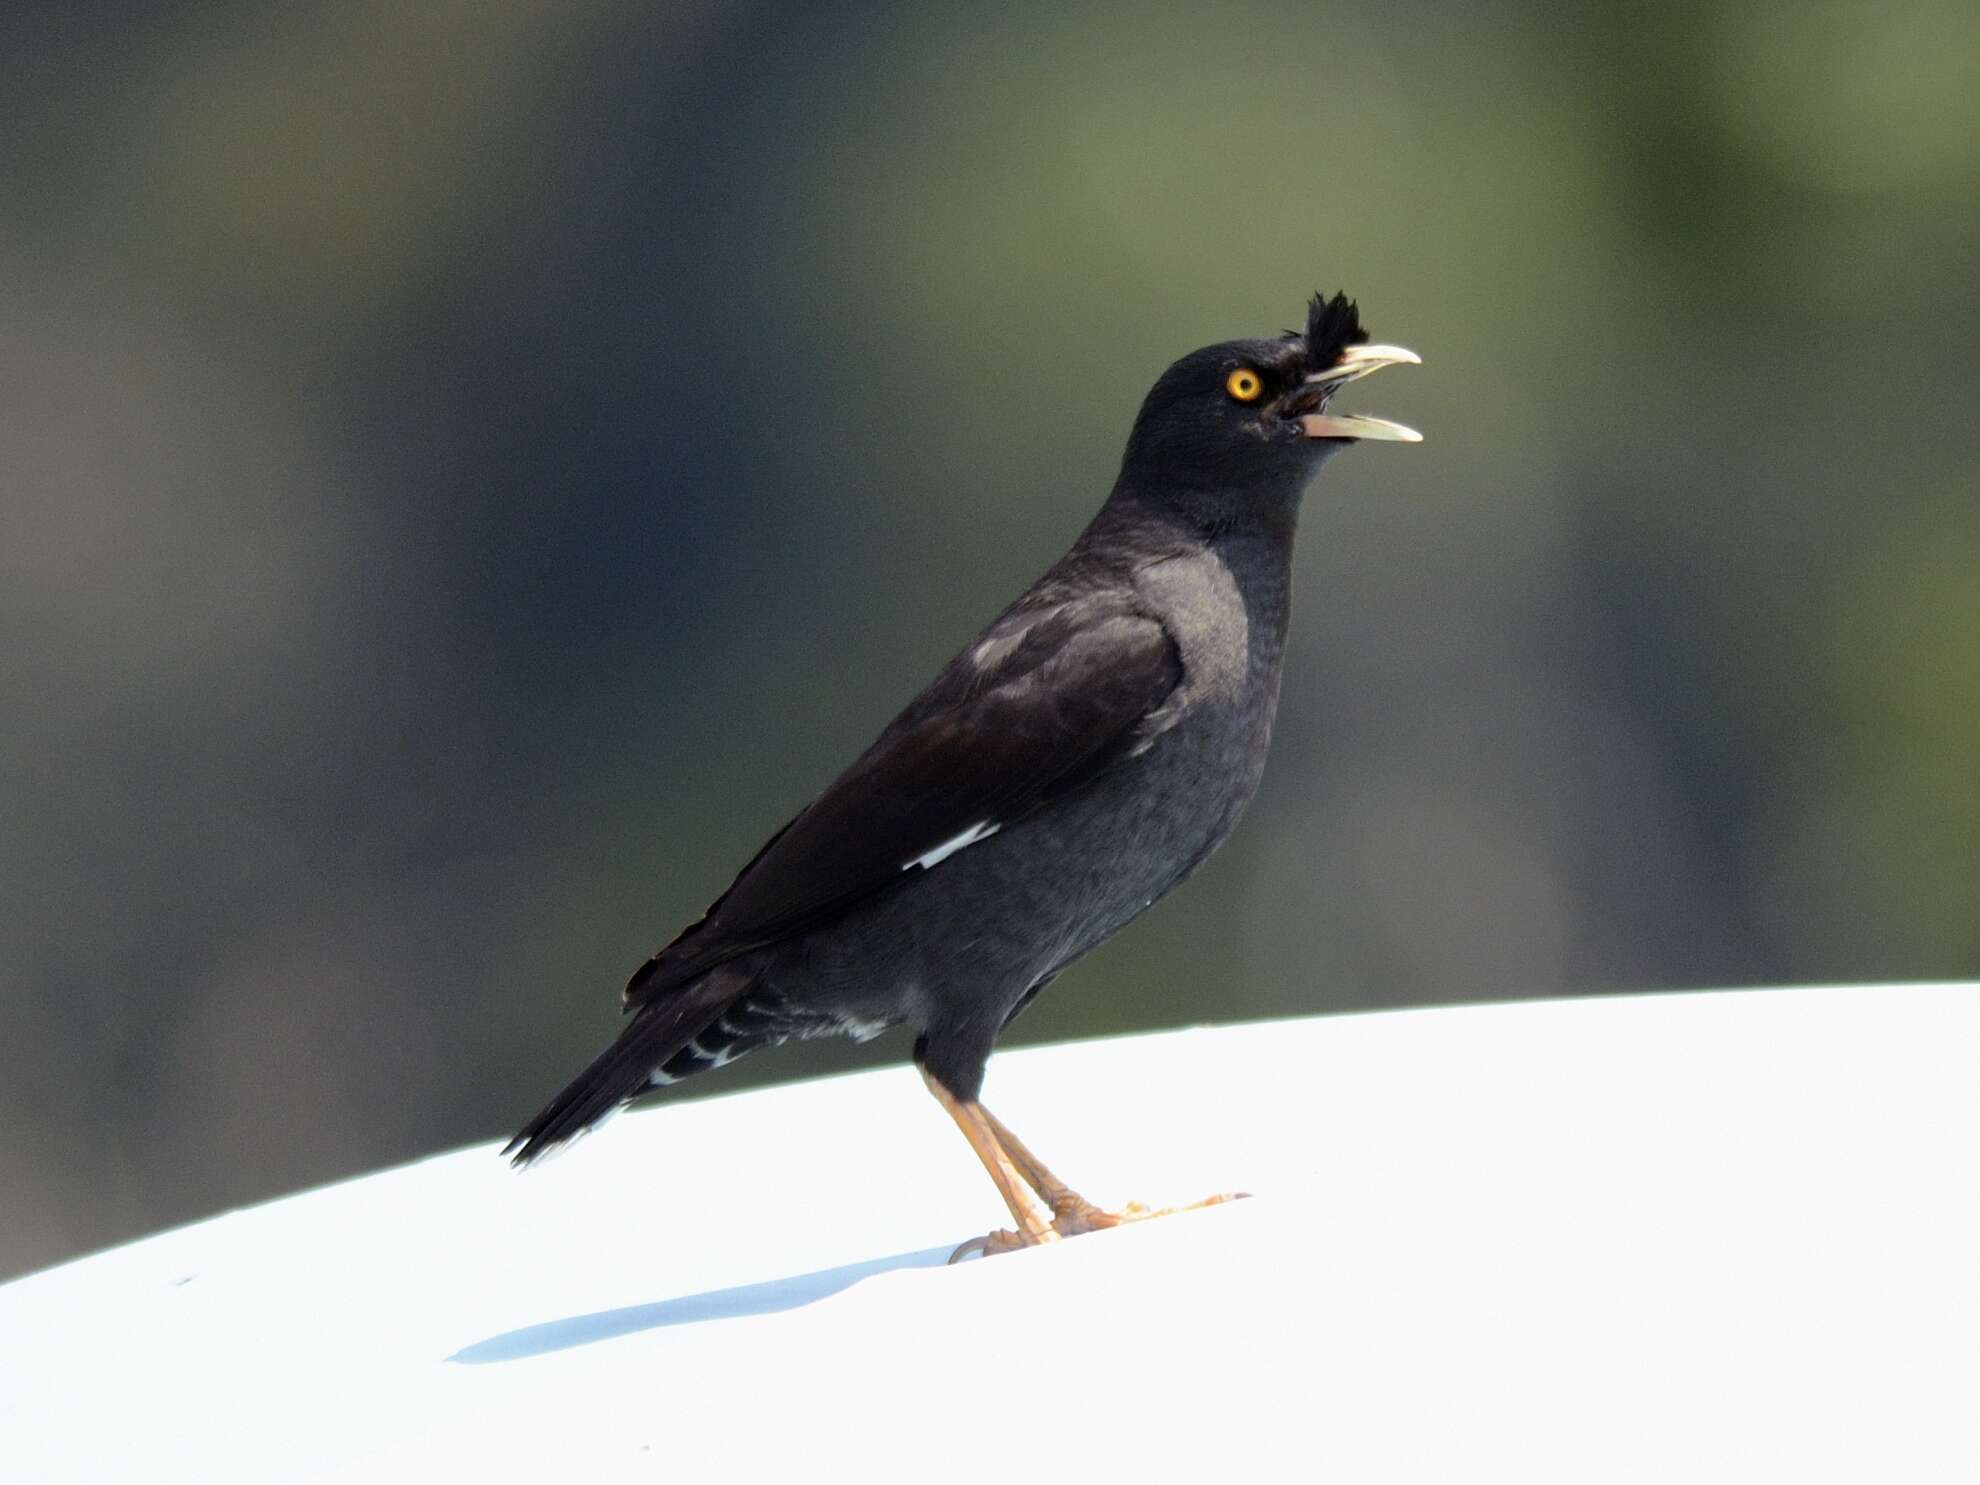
x: 1081, y: 756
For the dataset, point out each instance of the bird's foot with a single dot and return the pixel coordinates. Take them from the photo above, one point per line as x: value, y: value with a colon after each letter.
x: 1073, y: 1215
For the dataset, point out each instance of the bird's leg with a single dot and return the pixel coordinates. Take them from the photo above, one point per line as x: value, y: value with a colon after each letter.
x: 1072, y: 1213
x: 1012, y: 1167
x: 979, y: 1129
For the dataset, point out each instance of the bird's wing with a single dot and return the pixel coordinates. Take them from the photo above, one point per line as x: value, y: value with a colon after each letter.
x: 1039, y: 705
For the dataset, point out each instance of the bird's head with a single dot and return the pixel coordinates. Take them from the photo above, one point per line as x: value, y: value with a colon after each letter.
x: 1251, y: 415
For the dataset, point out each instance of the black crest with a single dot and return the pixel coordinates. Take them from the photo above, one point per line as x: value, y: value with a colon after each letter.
x: 1332, y: 325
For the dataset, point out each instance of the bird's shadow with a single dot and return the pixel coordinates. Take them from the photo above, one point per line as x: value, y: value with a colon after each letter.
x: 766, y: 1298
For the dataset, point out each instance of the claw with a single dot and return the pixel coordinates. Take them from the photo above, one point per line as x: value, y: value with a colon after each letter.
x: 1003, y: 1240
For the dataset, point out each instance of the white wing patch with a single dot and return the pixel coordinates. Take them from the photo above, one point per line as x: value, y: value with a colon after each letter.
x: 862, y: 1031
x: 981, y: 830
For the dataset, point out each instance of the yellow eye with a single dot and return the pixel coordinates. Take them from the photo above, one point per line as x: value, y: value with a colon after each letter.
x: 1244, y: 384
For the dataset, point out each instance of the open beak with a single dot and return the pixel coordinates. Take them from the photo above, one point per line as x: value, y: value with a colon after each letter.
x: 1356, y: 362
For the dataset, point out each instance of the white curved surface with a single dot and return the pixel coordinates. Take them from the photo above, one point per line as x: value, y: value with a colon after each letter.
x: 1721, y: 1236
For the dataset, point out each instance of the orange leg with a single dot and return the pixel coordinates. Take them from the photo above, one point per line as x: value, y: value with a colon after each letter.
x: 975, y: 1123
x: 1007, y: 1160
x: 1072, y: 1213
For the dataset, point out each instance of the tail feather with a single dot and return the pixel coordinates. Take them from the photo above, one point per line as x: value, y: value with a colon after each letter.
x: 625, y: 1069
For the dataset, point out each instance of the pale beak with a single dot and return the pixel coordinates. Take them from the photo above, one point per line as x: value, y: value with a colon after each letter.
x: 1353, y: 425
x: 1356, y: 362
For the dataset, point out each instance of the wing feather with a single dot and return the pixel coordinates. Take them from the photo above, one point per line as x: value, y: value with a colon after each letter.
x: 1038, y: 706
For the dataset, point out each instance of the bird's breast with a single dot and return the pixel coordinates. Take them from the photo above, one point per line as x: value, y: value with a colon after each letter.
x: 1164, y: 814
x: 1203, y: 607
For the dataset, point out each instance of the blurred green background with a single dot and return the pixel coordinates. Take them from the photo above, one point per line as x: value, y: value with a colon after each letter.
x: 469, y: 471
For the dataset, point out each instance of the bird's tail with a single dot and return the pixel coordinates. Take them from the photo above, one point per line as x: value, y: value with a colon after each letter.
x: 625, y: 1069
